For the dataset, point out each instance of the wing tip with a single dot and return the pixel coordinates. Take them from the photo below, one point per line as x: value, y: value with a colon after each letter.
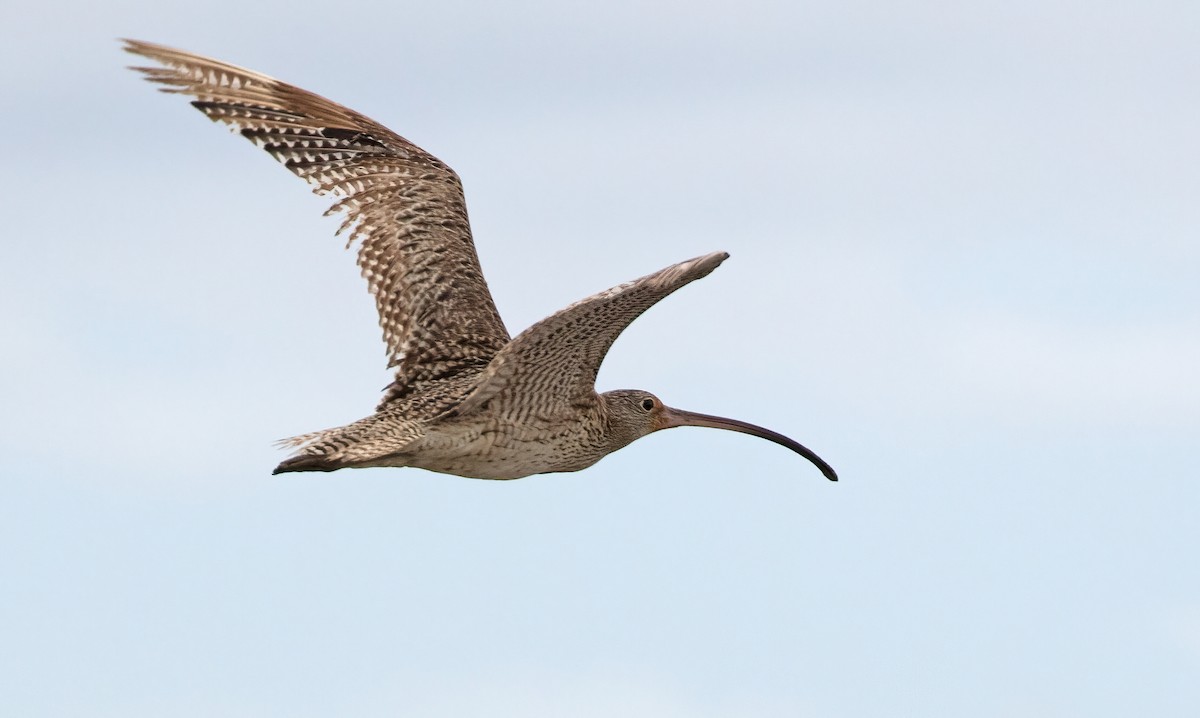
x: 139, y: 47
x: 704, y: 265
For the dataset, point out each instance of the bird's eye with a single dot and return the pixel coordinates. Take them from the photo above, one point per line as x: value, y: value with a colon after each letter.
x: 647, y: 403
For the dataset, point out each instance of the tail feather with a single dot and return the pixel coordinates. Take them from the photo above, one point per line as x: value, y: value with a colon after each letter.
x: 308, y: 459
x: 296, y: 442
x: 307, y: 462
x: 361, y: 443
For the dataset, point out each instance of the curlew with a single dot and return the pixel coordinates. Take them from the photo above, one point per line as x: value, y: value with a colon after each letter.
x: 466, y: 398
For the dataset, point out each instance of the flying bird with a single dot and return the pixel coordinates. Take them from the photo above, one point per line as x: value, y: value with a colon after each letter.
x: 467, y: 399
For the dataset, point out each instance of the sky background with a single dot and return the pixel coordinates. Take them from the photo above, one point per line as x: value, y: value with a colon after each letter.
x: 964, y: 270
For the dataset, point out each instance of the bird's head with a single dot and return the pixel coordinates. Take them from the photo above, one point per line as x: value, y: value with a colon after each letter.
x: 633, y: 413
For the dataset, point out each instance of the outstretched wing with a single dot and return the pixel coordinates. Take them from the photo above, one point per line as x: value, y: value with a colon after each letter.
x: 553, y: 364
x: 404, y: 207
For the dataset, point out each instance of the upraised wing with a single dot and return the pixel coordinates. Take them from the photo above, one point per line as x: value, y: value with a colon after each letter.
x: 553, y: 364
x: 404, y: 207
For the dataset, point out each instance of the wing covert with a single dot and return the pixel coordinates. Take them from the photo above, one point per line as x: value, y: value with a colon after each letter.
x: 554, y: 363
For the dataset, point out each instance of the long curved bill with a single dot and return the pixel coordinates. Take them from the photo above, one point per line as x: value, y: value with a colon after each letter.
x: 678, y: 417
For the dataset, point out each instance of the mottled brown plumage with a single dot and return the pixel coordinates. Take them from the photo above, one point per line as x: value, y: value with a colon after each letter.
x: 466, y: 399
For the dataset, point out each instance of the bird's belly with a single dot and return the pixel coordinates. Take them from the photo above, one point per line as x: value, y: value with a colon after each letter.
x: 509, y: 452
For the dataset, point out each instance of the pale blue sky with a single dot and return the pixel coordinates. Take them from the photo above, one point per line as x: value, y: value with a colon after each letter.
x: 964, y: 270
